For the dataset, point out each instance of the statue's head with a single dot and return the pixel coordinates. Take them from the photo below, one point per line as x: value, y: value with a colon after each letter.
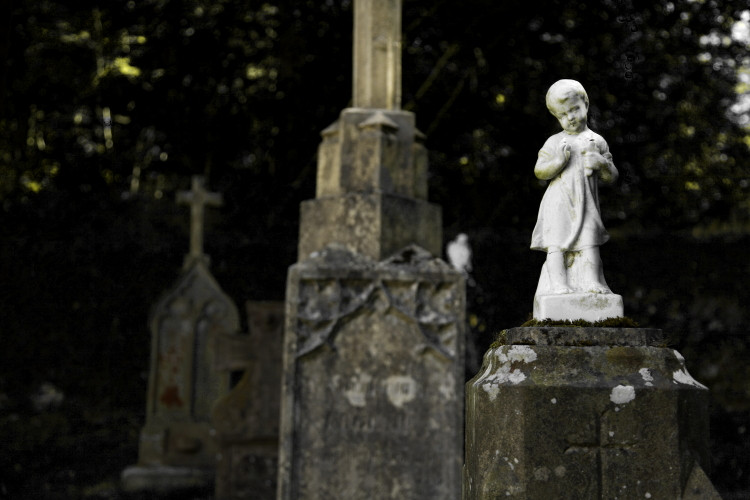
x: 562, y: 90
x: 568, y: 102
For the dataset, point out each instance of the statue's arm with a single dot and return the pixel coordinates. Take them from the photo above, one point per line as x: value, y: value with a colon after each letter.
x: 608, y: 172
x: 552, y: 159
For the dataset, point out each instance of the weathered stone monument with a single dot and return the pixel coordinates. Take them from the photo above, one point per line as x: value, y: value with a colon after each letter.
x: 247, y: 419
x: 585, y: 413
x: 582, y: 413
x: 372, y: 395
x: 372, y: 166
x: 177, y: 449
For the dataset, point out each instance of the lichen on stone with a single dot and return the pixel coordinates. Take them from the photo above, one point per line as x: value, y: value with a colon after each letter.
x: 500, y: 339
x: 622, y: 394
x: 622, y: 322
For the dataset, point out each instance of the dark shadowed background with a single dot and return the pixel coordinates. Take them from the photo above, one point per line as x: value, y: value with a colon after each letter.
x: 107, y: 109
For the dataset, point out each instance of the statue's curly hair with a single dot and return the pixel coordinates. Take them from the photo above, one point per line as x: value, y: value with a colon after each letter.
x: 561, y: 89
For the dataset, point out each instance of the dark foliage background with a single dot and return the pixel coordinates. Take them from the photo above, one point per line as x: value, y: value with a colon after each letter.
x: 107, y: 109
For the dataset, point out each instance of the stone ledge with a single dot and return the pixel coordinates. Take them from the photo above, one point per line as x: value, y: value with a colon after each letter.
x: 572, y: 306
x: 164, y: 478
x: 586, y: 336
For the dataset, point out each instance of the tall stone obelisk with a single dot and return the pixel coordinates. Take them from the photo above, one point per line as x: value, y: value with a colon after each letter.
x: 372, y: 391
x: 372, y: 166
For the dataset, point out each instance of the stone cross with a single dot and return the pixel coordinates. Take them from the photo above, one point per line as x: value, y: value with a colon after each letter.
x: 197, y: 198
x: 177, y: 445
x: 377, y: 54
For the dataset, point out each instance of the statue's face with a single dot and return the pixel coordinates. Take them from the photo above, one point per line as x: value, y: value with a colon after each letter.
x: 571, y: 113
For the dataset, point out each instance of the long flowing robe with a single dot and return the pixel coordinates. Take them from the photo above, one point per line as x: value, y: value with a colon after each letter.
x: 569, y: 217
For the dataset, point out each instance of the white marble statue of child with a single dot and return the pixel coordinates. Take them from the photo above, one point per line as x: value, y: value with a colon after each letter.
x: 569, y: 224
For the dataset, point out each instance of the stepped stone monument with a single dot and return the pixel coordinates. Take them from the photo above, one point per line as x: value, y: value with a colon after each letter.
x: 177, y: 449
x: 582, y: 413
x: 372, y: 391
x: 372, y: 166
x: 247, y: 419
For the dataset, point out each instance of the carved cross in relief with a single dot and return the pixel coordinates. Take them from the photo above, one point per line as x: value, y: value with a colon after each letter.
x: 601, y: 444
x: 198, y: 198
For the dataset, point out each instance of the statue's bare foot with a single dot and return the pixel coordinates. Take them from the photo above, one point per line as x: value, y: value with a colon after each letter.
x: 595, y: 287
x: 560, y: 290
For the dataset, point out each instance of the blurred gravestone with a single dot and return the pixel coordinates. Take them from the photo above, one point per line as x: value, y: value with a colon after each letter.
x: 372, y: 395
x: 247, y: 419
x: 177, y: 449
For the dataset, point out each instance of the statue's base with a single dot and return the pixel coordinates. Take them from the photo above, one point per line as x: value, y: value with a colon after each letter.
x: 583, y: 413
x: 573, y: 306
x: 166, y: 479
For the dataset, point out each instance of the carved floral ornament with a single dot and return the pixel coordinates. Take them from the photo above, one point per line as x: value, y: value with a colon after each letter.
x: 326, y: 303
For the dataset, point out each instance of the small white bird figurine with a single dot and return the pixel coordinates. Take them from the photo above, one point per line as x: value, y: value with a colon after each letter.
x: 459, y: 255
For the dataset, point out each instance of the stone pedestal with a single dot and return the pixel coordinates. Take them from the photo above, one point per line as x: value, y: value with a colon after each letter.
x: 591, y: 307
x: 585, y: 413
x: 582, y: 303
x: 373, y: 378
